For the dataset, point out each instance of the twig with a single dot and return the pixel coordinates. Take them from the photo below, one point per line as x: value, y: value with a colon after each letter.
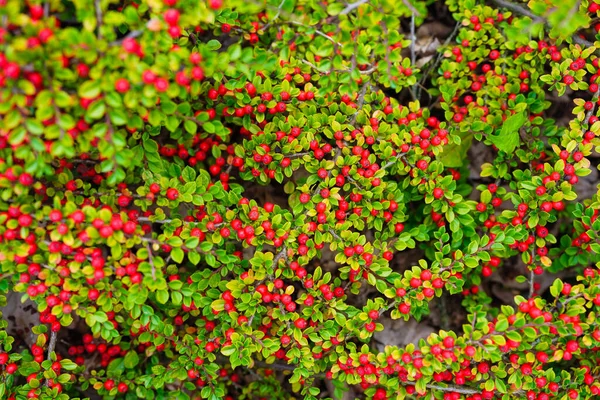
x: 335, y: 50
x: 313, y: 66
x: 412, y: 8
x: 280, y: 255
x: 51, y: 346
x: 58, y: 114
x: 109, y: 138
x: 452, y: 389
x: 158, y: 221
x: 570, y: 14
x: 473, y: 326
x: 335, y: 235
x: 413, y: 52
x: 130, y: 35
x: 298, y: 155
x: 537, y: 19
x: 582, y: 42
x: 531, y: 283
x: 518, y: 9
x: 413, y: 39
x: 361, y: 102
x: 318, y: 32
x: 194, y: 120
x: 151, y: 261
x: 386, y: 43
x: 353, y: 6
x: 440, y: 54
x: 275, y: 17
x: 98, y: 17
x: 593, y: 109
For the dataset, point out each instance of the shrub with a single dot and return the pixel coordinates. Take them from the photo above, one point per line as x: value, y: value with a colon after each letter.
x: 209, y: 200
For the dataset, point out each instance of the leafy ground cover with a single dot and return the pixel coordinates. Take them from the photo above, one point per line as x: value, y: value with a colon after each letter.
x: 299, y: 199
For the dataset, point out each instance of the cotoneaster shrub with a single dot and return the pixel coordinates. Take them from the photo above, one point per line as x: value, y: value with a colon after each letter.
x: 135, y: 134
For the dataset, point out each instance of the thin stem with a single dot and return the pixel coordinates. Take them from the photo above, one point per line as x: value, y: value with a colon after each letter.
x: 440, y: 54
x: 360, y: 104
x: 323, y: 72
x: 353, y: 6
x: 412, y: 8
x: 151, y: 260
x: 413, y: 39
x: 98, y: 8
x: 51, y: 346
x: 518, y: 9
x: 531, y: 283
x: 452, y: 389
x: 386, y: 43
x: 130, y: 35
x: 276, y: 15
x: 593, y: 109
x: 280, y: 255
x: 318, y: 32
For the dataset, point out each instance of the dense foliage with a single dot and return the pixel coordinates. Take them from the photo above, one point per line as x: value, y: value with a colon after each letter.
x: 221, y: 199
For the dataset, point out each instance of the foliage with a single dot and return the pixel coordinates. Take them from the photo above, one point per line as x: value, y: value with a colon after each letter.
x: 139, y: 140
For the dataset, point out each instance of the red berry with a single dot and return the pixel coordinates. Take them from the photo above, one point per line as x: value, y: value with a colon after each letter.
x: 122, y: 85
x: 172, y: 194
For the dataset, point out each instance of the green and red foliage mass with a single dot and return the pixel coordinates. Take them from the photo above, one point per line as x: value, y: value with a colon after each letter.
x: 225, y: 198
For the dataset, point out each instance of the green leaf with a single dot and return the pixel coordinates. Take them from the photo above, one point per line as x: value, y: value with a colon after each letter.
x: 454, y: 155
x: 190, y: 126
x: 508, y: 139
x: 96, y: 110
x: 131, y: 359
x: 162, y: 296
x: 89, y: 89
x: 177, y: 255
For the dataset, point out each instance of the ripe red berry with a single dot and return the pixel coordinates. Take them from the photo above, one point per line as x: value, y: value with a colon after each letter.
x: 122, y: 387
x: 448, y: 342
x: 172, y: 194
x: 171, y: 16
x: 404, y: 308
x: 122, y: 85
x: 300, y: 323
x: 304, y: 198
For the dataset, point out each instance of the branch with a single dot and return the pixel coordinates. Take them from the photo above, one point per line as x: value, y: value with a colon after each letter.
x: 531, y: 283
x: 413, y: 39
x: 51, y: 346
x: 323, y: 72
x: 386, y: 43
x: 151, y: 261
x: 582, y: 42
x: 98, y: 17
x: 412, y: 8
x: 280, y: 255
x: 518, y: 9
x: 318, y: 32
x: 452, y: 389
x: 593, y: 109
x: 130, y: 35
x: 194, y: 120
x: 537, y: 19
x: 275, y: 17
x: 361, y: 102
x: 441, y: 54
x: 353, y: 6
